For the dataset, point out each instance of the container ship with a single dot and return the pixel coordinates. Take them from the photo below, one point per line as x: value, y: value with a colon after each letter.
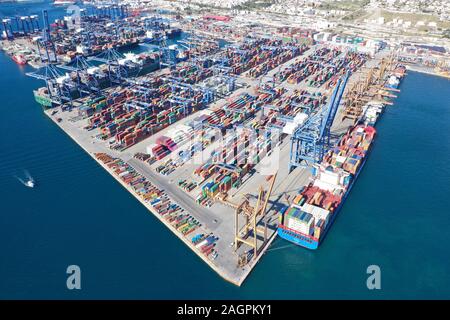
x: 132, y: 64
x: 371, y: 112
x: 310, y: 216
x: 307, y: 220
x: 393, y: 82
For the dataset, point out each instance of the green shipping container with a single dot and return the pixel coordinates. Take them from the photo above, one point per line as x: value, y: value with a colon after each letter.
x: 226, y: 179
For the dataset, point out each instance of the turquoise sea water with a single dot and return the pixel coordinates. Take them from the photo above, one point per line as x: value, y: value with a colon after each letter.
x: 397, y: 216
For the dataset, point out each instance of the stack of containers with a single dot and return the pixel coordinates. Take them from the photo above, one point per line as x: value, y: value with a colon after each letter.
x: 166, y: 142
x: 130, y: 116
x: 299, y: 221
x: 172, y: 212
x: 159, y: 151
x: 303, y: 68
x: 210, y: 189
x: 225, y: 184
x: 272, y: 63
x: 179, y: 137
x: 205, y: 170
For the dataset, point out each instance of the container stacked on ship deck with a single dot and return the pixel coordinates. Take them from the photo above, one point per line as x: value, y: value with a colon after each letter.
x: 315, y: 207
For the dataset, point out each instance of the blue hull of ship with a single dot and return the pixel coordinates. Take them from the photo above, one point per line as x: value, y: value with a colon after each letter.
x: 312, y: 244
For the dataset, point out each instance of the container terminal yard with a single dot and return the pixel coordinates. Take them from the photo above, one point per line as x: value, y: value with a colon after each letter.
x: 228, y: 143
x: 36, y: 42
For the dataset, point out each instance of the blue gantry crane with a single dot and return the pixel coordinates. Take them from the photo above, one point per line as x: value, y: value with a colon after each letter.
x: 86, y: 84
x: 60, y: 89
x: 112, y: 11
x: 185, y: 102
x: 311, y: 140
x: 46, y: 43
x: 8, y: 32
x: 156, y: 26
x: 116, y: 71
x: 34, y: 21
x: 167, y: 54
x: 176, y: 84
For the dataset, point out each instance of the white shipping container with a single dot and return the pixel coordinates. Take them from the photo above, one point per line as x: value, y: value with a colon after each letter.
x: 341, y: 159
x: 289, y: 127
x: 93, y: 70
x: 329, y: 177
x: 300, y: 118
x: 326, y: 186
x: 301, y: 227
x: 171, y: 133
x: 184, y: 128
x: 317, y: 212
x: 123, y: 173
x: 178, y: 136
x: 297, y: 225
x: 202, y: 243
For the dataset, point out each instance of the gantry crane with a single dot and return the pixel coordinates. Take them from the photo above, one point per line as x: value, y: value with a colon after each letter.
x: 310, y: 140
x: 46, y: 43
x: 8, y: 32
x: 60, y: 89
x: 353, y: 105
x: 86, y: 84
x: 116, y: 72
x: 371, y: 88
x: 248, y: 233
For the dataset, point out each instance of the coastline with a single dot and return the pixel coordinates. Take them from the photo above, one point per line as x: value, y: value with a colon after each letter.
x: 425, y: 70
x: 222, y: 272
x: 226, y: 264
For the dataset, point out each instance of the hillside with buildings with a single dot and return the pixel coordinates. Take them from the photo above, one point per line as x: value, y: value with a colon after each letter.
x: 420, y: 20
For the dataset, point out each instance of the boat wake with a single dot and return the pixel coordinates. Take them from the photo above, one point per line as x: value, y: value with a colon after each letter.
x: 28, y: 181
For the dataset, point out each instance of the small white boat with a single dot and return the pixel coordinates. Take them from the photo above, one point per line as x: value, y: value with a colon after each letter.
x: 29, y: 183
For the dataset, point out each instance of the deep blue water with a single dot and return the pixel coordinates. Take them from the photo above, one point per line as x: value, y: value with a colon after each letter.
x: 397, y: 216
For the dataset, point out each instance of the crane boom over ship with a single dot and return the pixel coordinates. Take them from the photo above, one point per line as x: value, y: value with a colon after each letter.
x: 311, y: 140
